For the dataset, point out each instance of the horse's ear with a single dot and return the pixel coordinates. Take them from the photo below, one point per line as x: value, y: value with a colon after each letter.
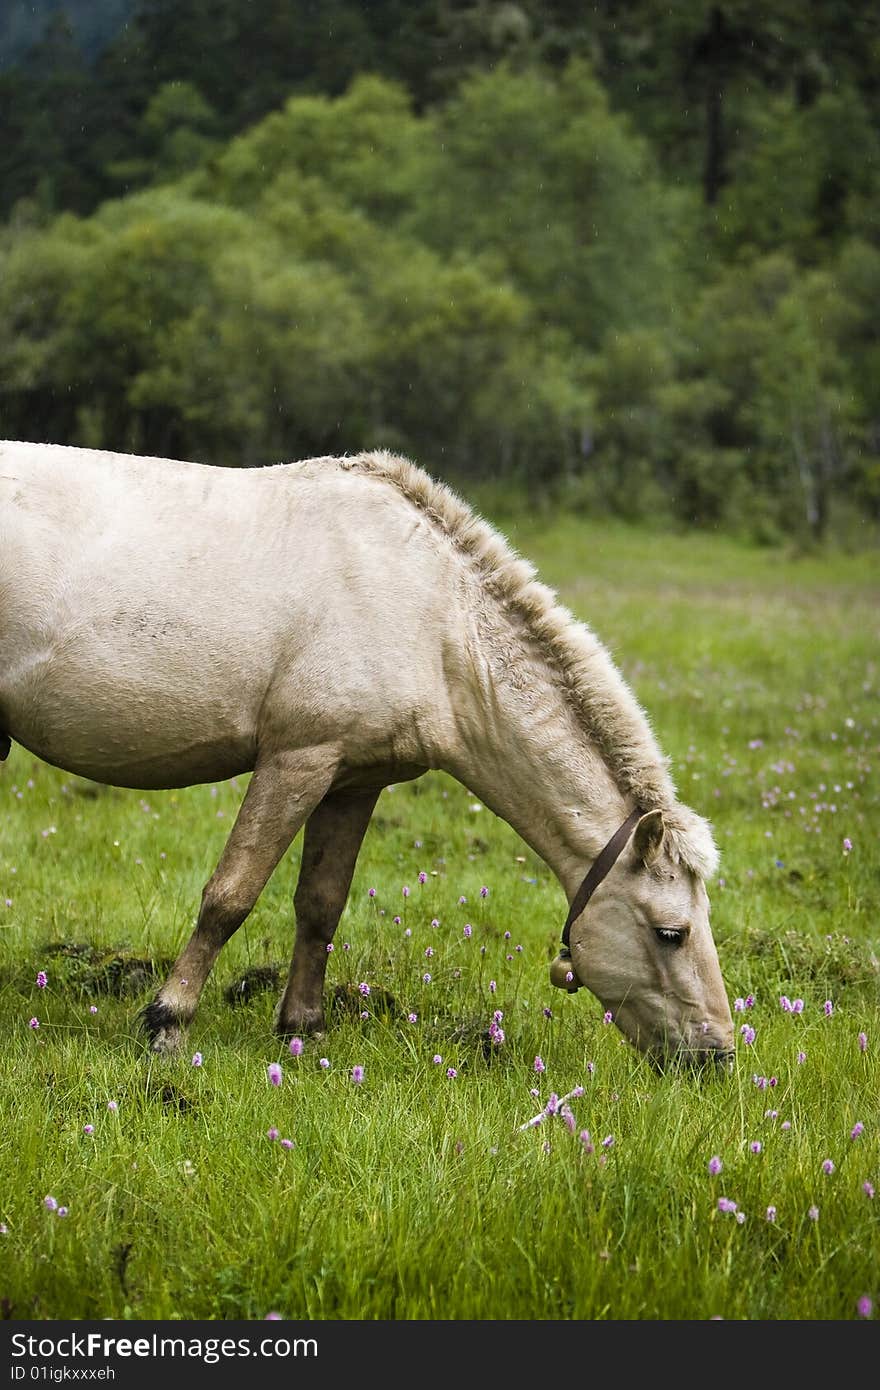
x: 648, y: 837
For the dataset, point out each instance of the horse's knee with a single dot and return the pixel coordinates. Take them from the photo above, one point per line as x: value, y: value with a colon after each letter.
x: 223, y: 909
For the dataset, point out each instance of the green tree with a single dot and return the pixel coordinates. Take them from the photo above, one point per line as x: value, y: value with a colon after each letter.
x: 538, y: 173
x: 178, y: 132
x: 767, y: 348
x: 858, y: 332
x: 803, y: 407
x: 802, y: 178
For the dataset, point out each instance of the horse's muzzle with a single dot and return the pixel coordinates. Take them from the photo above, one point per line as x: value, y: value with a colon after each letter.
x: 722, y: 1058
x: 705, y: 1060
x: 714, y: 1059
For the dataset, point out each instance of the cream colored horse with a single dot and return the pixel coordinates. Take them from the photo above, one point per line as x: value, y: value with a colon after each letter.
x: 332, y: 626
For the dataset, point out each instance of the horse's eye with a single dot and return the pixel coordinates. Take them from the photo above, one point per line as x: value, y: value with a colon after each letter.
x: 670, y: 936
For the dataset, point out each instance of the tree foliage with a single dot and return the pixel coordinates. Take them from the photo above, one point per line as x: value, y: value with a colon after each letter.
x: 628, y: 260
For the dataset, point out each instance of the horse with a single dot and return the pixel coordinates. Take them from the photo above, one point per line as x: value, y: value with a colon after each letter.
x: 332, y: 626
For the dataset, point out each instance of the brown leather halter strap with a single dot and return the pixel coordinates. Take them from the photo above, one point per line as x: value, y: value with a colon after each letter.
x: 601, y: 865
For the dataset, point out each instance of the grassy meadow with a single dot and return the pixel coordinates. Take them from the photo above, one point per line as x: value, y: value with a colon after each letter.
x: 415, y: 1193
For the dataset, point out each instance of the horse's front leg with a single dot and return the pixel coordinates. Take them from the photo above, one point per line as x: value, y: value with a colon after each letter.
x: 283, y: 791
x: 333, y: 836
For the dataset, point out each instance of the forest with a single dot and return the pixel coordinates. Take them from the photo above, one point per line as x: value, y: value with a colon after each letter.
x: 622, y: 260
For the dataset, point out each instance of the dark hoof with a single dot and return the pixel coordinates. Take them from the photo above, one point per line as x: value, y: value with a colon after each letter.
x: 162, y: 1027
x: 307, y: 1026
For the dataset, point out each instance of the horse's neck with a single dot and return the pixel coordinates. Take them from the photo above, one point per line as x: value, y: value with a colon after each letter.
x: 522, y: 751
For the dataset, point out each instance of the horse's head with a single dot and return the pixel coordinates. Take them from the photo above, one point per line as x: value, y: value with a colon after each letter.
x: 644, y: 947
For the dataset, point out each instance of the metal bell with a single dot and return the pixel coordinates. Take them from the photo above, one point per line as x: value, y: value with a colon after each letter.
x: 562, y: 974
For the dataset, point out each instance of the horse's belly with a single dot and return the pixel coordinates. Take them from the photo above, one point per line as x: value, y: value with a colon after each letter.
x: 143, y: 768
x: 159, y: 729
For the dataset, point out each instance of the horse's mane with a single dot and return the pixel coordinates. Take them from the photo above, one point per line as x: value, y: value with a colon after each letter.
x: 605, y: 706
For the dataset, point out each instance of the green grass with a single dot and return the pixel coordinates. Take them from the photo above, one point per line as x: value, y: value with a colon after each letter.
x: 415, y: 1195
